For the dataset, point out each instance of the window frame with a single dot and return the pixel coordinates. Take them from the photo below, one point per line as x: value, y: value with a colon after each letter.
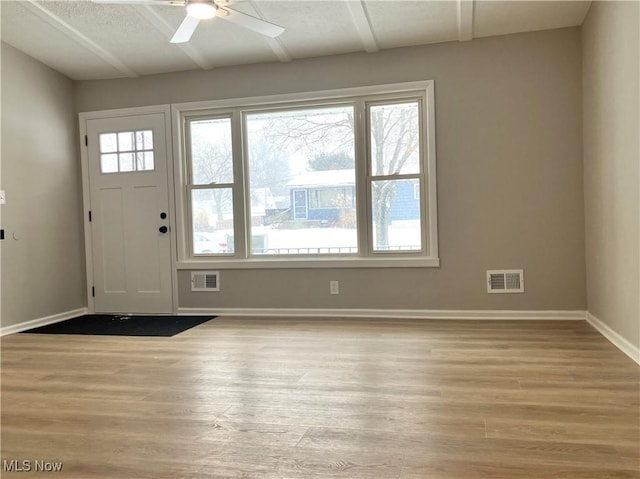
x: 245, y: 112
x: 238, y: 110
x: 421, y: 175
x: 190, y: 187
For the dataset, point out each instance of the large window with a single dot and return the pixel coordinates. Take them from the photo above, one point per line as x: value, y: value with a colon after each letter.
x: 342, y: 177
x: 301, y: 168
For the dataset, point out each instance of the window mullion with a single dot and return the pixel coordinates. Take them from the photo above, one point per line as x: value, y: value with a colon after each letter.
x: 241, y: 190
x: 362, y: 187
x: 425, y: 192
x: 188, y: 219
x: 187, y: 213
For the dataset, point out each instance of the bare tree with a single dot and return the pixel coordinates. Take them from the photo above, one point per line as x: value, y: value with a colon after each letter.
x: 321, y: 131
x: 267, y: 164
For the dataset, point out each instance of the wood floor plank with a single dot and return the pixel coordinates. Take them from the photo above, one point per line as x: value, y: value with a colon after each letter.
x: 496, y: 470
x: 325, y: 397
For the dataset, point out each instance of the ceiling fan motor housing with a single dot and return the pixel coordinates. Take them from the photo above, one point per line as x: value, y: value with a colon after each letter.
x: 202, y: 9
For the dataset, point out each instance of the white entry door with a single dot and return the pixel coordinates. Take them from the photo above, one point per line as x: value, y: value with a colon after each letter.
x: 131, y: 244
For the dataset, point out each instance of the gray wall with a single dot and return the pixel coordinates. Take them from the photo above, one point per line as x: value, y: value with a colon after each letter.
x: 42, y: 270
x: 509, y: 152
x: 611, y: 161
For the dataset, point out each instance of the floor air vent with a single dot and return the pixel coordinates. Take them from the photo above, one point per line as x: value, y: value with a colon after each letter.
x: 505, y: 281
x: 205, y: 281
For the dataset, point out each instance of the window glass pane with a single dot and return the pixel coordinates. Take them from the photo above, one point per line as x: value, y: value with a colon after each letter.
x: 212, y: 221
x: 126, y: 161
x: 394, y: 139
x: 127, y: 147
x: 396, y: 215
x: 144, y: 140
x: 144, y: 161
x: 109, y: 163
x: 211, y: 156
x: 302, y: 181
x: 125, y: 141
x: 108, y: 142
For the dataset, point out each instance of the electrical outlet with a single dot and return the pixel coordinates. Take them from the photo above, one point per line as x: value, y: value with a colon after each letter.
x: 334, y: 287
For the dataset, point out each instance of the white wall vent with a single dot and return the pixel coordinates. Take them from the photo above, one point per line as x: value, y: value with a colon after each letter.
x: 505, y: 281
x: 205, y: 281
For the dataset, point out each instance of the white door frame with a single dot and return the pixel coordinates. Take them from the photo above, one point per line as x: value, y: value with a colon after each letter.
x: 86, y: 192
x: 306, y: 203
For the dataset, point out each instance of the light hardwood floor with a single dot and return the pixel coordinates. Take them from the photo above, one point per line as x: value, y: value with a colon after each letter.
x: 287, y: 398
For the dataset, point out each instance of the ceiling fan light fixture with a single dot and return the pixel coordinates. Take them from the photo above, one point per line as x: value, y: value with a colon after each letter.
x: 202, y: 10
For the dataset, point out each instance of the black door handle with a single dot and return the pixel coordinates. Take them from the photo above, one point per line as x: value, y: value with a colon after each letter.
x: 163, y: 215
x: 163, y: 229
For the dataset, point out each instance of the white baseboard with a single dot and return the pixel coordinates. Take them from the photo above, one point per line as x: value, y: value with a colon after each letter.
x: 618, y: 341
x: 390, y: 313
x: 35, y: 323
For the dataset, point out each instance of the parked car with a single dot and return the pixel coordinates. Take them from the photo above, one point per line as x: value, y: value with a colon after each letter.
x: 210, y: 243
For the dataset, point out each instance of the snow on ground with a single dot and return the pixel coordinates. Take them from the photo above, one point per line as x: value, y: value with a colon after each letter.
x: 404, y: 235
x: 314, y: 238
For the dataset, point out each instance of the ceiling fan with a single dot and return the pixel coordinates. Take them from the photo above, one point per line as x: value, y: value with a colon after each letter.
x: 202, y: 10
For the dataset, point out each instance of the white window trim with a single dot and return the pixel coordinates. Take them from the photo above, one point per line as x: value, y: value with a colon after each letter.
x: 431, y: 259
x: 233, y: 185
x: 370, y: 178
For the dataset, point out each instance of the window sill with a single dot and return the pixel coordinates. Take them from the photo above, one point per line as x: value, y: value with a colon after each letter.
x: 306, y: 263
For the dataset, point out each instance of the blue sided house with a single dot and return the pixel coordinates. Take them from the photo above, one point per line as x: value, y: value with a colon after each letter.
x: 325, y: 195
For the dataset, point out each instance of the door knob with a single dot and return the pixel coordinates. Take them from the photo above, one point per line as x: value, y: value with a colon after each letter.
x: 163, y: 229
x: 163, y: 215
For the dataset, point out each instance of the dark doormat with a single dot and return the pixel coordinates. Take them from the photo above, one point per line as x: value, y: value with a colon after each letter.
x: 119, y: 325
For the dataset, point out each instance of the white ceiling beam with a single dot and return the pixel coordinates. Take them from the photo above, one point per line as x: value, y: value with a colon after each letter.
x: 167, y: 31
x: 465, y: 20
x: 274, y: 43
x: 363, y: 26
x: 278, y: 48
x: 75, y: 35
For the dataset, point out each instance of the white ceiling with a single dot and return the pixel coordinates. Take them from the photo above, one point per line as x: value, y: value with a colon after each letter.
x: 85, y: 40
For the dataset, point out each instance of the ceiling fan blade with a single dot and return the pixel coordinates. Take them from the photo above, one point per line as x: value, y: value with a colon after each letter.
x: 252, y: 23
x: 178, y: 3
x: 185, y: 30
